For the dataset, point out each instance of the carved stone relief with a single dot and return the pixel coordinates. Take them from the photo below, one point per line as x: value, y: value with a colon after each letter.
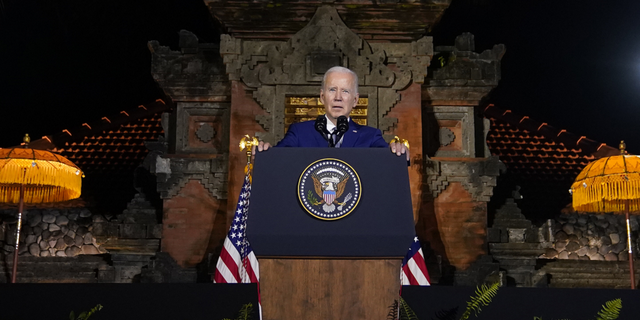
x: 174, y: 173
x: 196, y: 125
x: 194, y: 77
x: 478, y: 177
x: 465, y: 69
x: 456, y: 134
x: 446, y: 136
x: 275, y: 69
x: 205, y: 133
x: 454, y: 91
x: 194, y: 72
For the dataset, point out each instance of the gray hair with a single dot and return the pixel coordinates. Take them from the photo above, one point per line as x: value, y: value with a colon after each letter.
x: 341, y: 70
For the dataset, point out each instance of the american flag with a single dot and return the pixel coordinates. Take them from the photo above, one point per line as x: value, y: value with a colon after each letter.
x: 414, y: 270
x: 237, y: 262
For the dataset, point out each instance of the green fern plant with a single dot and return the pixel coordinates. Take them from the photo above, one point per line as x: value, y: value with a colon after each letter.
x: 482, y: 298
x: 245, y: 313
x: 85, y: 315
x: 611, y: 310
x: 406, y: 313
x: 393, y: 311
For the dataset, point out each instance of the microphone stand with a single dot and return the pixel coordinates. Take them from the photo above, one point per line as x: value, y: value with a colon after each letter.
x: 342, y: 126
x: 321, y: 127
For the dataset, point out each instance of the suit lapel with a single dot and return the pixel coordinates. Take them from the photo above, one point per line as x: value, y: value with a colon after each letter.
x: 351, y: 136
x: 320, y: 140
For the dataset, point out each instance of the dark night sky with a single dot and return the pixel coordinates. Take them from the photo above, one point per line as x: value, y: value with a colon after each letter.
x: 574, y: 65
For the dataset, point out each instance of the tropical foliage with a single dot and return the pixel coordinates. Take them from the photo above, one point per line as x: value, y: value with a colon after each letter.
x: 245, y: 313
x: 611, y: 310
x: 406, y: 313
x: 85, y: 315
x: 482, y: 298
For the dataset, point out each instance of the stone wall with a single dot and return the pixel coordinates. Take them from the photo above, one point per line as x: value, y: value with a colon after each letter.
x: 51, y: 232
x: 592, y: 237
x: 109, y: 249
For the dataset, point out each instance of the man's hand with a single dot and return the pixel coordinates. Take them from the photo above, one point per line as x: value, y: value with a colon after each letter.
x: 399, y: 149
x: 262, y: 146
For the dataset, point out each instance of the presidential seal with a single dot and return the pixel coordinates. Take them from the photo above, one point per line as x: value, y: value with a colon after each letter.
x: 329, y: 189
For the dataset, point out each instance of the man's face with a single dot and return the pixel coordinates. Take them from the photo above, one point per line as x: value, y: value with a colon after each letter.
x: 338, y: 95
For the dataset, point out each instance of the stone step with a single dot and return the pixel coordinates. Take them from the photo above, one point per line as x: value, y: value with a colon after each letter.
x: 516, y: 249
x: 515, y: 260
x: 49, y: 280
x: 590, y: 283
x: 533, y: 253
x: 514, y: 246
x: 587, y: 275
x: 571, y: 266
x: 82, y: 269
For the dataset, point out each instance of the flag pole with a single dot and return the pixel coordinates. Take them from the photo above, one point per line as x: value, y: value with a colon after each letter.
x: 631, y: 268
x: 14, y: 270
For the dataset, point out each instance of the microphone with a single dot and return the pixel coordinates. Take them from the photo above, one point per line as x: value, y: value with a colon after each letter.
x: 342, y: 126
x: 321, y: 127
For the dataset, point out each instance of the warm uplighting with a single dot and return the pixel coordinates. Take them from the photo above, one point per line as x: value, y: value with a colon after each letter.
x: 610, y: 184
x: 35, y: 176
x: 605, y: 184
x: 48, y: 177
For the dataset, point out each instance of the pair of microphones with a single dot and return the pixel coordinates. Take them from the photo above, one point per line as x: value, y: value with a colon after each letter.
x: 342, y: 125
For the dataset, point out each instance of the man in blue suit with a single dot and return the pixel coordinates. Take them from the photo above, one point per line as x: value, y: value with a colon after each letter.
x: 339, y: 94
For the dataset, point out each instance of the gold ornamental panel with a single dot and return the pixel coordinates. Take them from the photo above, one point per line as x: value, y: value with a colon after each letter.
x: 298, y: 109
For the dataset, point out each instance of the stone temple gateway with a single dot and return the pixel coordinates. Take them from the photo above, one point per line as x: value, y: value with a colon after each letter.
x: 247, y: 87
x: 265, y: 74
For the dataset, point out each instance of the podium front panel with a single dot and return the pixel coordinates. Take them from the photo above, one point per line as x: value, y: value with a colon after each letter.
x: 381, y: 225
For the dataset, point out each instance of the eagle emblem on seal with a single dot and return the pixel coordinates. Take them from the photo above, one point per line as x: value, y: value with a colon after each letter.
x: 329, y: 189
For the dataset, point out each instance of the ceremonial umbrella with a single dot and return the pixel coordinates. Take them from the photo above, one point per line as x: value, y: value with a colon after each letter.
x: 35, y: 176
x: 610, y: 184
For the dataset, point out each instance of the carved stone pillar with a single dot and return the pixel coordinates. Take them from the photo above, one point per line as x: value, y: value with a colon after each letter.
x: 192, y: 175
x: 461, y: 174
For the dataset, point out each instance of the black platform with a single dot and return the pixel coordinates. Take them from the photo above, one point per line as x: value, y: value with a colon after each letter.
x: 218, y: 301
x: 126, y: 301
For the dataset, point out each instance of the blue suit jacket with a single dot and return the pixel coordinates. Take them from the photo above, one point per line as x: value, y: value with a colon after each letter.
x: 304, y: 135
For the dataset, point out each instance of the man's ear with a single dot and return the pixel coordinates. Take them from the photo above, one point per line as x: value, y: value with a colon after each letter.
x: 322, y: 96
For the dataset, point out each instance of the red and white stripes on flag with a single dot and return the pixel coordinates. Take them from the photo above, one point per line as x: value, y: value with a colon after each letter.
x: 414, y: 270
x: 237, y: 262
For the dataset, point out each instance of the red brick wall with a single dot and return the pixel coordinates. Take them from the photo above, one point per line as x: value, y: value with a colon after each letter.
x: 455, y: 225
x: 188, y: 223
x: 409, y: 126
x: 243, y: 121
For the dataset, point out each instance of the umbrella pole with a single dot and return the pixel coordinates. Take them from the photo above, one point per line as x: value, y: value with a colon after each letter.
x: 631, y: 269
x: 15, y: 252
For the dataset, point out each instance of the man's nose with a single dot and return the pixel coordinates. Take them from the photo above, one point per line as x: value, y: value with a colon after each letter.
x: 339, y: 95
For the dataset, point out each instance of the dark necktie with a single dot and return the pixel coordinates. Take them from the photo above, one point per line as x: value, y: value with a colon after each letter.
x: 334, y: 136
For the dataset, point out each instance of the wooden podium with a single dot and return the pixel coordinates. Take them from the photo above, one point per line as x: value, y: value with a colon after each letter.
x: 347, y: 268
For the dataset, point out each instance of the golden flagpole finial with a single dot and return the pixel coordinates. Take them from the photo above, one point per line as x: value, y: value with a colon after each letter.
x: 403, y: 141
x: 622, y: 146
x: 247, y: 143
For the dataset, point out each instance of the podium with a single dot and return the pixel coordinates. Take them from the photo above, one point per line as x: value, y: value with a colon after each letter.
x: 332, y: 254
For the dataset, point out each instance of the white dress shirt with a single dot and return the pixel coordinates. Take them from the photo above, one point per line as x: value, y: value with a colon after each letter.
x: 331, y: 127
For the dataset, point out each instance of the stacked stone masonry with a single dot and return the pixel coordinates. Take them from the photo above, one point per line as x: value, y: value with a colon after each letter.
x: 52, y: 233
x: 591, y: 237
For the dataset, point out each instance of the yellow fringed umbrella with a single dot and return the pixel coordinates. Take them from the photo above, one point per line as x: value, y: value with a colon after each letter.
x: 610, y: 184
x: 35, y: 176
